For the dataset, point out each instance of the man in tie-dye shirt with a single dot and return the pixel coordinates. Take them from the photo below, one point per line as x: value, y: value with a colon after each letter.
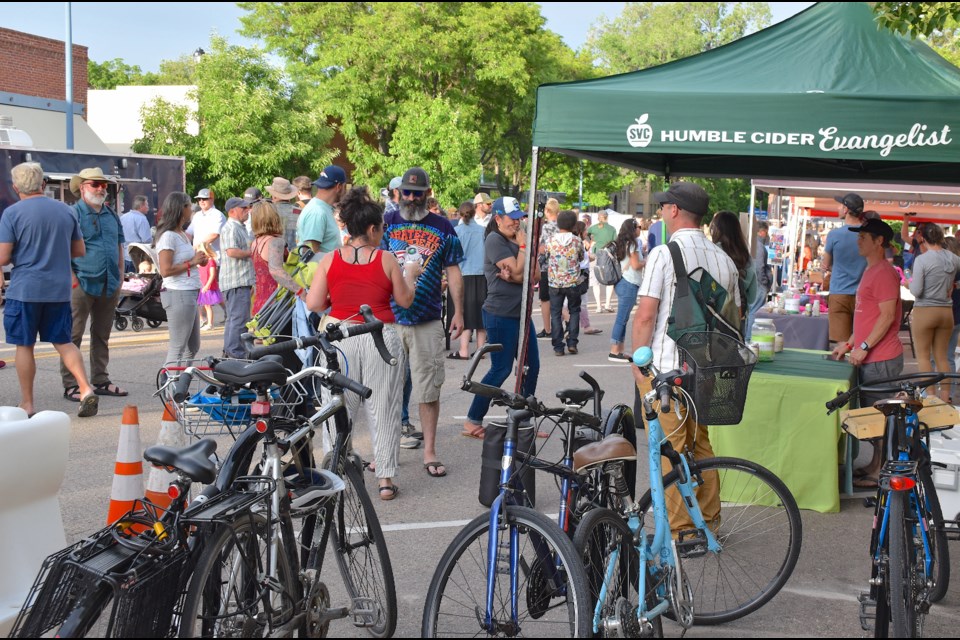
x: 413, y: 233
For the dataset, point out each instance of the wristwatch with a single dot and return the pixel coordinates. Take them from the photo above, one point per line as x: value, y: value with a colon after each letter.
x: 865, y: 346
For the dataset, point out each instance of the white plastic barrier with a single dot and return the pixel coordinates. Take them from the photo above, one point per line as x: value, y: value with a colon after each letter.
x: 33, y: 462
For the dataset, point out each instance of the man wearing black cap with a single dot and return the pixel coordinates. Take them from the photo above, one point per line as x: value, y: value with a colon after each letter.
x: 682, y: 206
x: 845, y: 265
x: 413, y: 233
x: 317, y: 225
x: 874, y: 342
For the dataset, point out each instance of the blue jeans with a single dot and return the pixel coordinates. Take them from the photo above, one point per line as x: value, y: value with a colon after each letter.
x: 626, y: 299
x: 557, y: 296
x: 407, y: 390
x: 505, y: 331
x: 237, y: 303
x: 752, y: 313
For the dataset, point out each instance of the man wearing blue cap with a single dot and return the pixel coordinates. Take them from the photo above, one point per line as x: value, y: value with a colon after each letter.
x: 317, y: 225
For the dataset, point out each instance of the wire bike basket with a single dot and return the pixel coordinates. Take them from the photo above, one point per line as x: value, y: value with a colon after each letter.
x: 718, y: 370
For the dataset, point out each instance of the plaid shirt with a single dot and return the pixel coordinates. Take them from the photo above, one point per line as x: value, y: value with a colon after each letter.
x: 234, y: 272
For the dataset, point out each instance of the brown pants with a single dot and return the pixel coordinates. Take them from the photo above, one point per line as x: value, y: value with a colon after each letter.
x: 841, y: 316
x: 100, y: 311
x: 931, y: 328
x: 708, y: 494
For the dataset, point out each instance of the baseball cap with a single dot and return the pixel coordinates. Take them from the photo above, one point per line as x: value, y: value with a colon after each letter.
x: 330, y: 177
x: 508, y: 207
x: 395, y: 183
x: 876, y: 227
x: 253, y: 194
x: 415, y: 179
x: 203, y: 194
x: 235, y: 202
x: 482, y: 198
x: 851, y: 201
x: 686, y: 195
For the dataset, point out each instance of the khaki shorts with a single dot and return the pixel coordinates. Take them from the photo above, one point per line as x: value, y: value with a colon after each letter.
x: 424, y: 346
x: 841, y: 316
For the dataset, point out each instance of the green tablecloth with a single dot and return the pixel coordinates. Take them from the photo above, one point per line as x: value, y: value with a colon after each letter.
x: 786, y: 428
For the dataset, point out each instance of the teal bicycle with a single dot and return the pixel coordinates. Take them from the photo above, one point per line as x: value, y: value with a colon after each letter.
x: 714, y: 572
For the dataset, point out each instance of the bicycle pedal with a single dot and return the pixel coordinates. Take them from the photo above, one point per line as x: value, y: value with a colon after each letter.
x: 691, y: 543
x: 364, y: 612
x: 868, y: 611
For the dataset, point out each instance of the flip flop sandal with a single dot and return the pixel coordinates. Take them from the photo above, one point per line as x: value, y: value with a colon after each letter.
x: 88, y: 406
x: 476, y: 434
x: 455, y: 355
x: 436, y: 464
x: 866, y: 482
x: 390, y: 492
x: 72, y: 393
x: 103, y: 389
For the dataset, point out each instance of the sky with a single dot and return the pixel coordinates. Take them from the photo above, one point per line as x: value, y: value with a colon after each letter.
x: 144, y: 33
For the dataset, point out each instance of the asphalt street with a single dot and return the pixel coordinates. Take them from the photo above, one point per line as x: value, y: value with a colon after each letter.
x: 820, y: 600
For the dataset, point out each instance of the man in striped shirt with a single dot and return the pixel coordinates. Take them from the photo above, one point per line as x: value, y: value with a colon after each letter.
x: 683, y: 207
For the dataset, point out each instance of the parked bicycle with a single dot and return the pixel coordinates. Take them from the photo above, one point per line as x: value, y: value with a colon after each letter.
x: 228, y: 563
x: 908, y: 544
x: 714, y: 572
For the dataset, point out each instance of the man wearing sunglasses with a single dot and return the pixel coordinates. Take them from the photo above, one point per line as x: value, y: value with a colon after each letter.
x: 413, y: 233
x: 205, y: 225
x: 97, y: 279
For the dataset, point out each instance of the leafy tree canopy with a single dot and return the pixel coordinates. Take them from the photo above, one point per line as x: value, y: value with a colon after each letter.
x: 918, y: 18
x: 113, y: 73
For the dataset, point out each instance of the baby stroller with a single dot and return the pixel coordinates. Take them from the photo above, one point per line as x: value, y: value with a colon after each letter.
x: 140, y: 293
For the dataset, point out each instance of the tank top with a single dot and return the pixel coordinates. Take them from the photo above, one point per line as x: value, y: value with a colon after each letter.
x: 351, y: 285
x: 264, y: 284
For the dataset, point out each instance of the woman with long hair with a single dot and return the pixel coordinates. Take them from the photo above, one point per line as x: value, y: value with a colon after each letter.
x: 631, y: 265
x: 726, y: 233
x: 268, y: 249
x: 177, y: 263
x: 356, y: 274
x: 474, y: 283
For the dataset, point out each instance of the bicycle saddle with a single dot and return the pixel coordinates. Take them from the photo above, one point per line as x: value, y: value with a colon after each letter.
x: 268, y: 370
x: 576, y: 396
x: 194, y: 460
x: 611, y: 448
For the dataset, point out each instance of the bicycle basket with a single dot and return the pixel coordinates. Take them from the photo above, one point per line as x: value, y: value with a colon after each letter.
x: 719, y: 369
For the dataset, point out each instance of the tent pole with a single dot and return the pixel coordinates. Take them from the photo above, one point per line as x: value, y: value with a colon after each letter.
x: 530, y: 264
x: 753, y: 199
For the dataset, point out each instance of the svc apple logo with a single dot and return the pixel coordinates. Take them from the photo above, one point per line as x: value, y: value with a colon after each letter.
x: 640, y: 134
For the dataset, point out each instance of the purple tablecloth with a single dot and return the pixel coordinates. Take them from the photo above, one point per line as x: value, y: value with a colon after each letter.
x: 801, y: 332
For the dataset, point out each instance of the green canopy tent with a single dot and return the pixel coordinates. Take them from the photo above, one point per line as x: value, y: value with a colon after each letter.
x: 825, y: 94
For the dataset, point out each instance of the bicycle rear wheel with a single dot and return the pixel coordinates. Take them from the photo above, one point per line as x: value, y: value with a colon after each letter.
x: 760, y: 533
x: 905, y: 576
x: 228, y: 596
x: 553, y: 599
x: 939, y: 550
x: 362, y: 555
x: 600, y: 533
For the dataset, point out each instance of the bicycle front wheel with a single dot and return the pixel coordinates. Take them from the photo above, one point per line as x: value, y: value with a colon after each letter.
x: 759, y: 531
x: 903, y: 563
x: 601, y: 532
x: 228, y: 595
x: 362, y: 556
x: 552, y: 596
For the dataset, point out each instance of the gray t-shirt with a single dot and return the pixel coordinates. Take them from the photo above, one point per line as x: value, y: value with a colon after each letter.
x: 933, y: 274
x: 42, y: 231
x: 503, y: 298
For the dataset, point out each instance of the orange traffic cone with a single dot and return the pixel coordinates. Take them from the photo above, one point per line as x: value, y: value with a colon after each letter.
x: 171, y: 435
x: 128, y: 475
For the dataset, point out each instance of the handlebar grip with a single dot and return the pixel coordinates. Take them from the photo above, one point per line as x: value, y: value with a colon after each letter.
x: 839, y: 401
x: 351, y: 385
x: 484, y: 390
x: 181, y: 389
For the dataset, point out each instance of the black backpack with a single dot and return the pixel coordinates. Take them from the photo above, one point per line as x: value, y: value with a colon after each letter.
x: 607, y: 270
x: 700, y: 303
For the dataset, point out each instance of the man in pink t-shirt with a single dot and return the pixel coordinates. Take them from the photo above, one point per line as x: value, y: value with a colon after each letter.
x: 875, y: 346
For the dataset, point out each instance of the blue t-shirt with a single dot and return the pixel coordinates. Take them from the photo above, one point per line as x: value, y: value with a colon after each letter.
x: 317, y: 224
x: 438, y: 246
x: 657, y: 234
x: 41, y: 231
x: 99, y: 270
x: 846, y: 263
x: 471, y: 239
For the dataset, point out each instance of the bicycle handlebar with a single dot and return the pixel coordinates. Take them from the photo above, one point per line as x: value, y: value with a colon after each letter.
x: 893, y: 385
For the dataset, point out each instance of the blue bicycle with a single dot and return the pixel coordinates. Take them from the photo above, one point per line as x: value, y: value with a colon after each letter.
x: 714, y: 572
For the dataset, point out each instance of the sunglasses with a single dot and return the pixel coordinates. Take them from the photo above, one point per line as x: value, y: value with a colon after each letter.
x: 411, y: 192
x: 96, y: 184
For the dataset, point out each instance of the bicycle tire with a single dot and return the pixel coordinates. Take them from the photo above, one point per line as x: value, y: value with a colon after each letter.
x: 234, y: 561
x: 902, y: 568
x: 600, y: 531
x: 772, y: 551
x: 939, y: 549
x: 361, y: 551
x: 453, y: 584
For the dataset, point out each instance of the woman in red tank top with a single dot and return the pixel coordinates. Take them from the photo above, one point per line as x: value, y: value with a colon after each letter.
x: 360, y: 273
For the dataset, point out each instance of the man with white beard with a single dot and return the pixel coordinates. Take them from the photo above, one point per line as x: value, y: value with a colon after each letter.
x: 97, y: 277
x: 413, y: 233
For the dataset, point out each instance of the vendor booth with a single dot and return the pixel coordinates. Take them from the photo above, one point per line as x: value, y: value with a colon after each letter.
x: 824, y: 95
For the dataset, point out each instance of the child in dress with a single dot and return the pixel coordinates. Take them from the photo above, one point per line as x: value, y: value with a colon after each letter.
x: 210, y: 291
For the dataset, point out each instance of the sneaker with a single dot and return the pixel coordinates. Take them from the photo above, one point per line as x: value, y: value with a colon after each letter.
x: 410, y: 431
x: 619, y: 357
x: 543, y: 335
x: 558, y: 353
x: 406, y: 442
x: 572, y: 351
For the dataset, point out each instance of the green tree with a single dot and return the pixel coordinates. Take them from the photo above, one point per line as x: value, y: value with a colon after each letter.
x: 250, y: 125
x: 113, y: 73
x: 918, y: 18
x: 562, y: 173
x: 372, y: 65
x: 647, y: 34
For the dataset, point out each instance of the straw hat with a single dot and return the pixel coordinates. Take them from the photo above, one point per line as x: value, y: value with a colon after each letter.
x: 92, y: 173
x: 281, y: 188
